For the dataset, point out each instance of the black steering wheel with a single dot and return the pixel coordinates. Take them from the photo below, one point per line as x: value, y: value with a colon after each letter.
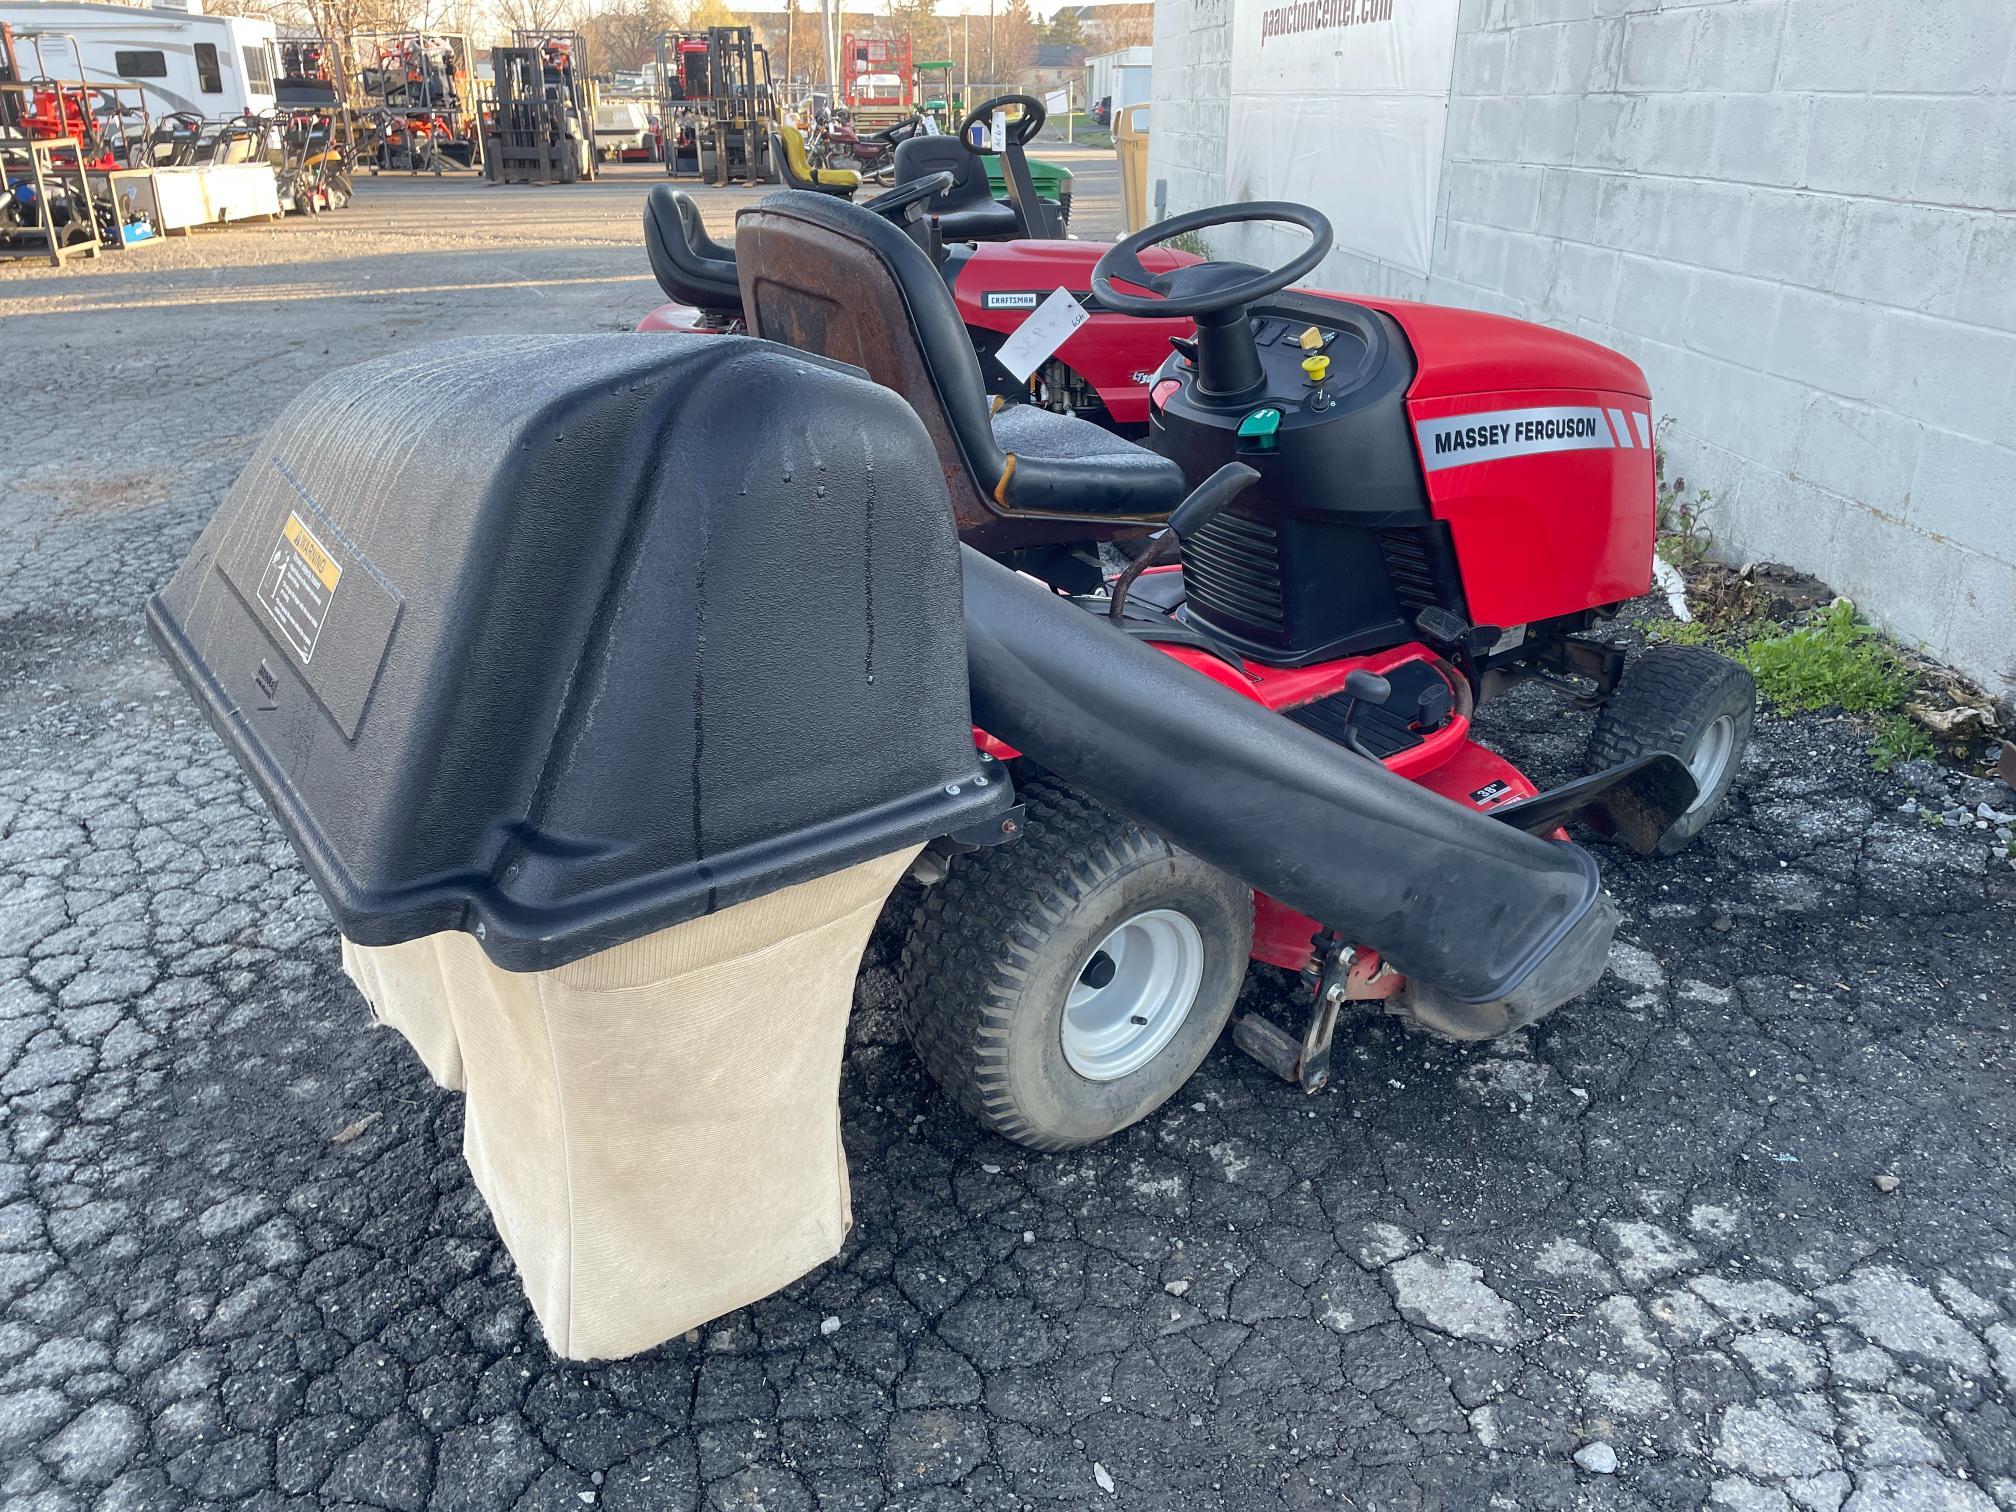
x: 1214, y: 294
x: 1207, y: 288
x: 1020, y: 132
x: 899, y: 204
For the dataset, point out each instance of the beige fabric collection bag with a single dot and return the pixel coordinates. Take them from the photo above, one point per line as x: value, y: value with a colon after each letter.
x: 655, y: 1127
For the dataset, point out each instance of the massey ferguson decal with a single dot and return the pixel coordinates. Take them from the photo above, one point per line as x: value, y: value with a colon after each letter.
x: 1458, y: 440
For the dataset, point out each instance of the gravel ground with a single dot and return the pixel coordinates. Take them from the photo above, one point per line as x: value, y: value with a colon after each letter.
x: 1634, y: 1258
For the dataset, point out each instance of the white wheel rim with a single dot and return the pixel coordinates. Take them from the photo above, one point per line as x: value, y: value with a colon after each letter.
x: 1711, y: 759
x: 1131, y: 994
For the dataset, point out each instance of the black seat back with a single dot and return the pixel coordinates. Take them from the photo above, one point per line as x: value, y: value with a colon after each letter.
x: 690, y: 265
x: 836, y: 280
x: 922, y: 156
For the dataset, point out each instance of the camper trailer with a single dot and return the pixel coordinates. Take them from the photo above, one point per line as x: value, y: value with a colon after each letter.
x: 212, y: 66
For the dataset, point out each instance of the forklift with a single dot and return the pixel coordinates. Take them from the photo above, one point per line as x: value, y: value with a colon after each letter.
x: 540, y: 128
x: 717, y: 104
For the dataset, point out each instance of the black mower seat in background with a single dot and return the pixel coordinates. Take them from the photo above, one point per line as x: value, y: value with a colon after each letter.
x: 689, y: 265
x: 968, y: 210
x: 841, y: 282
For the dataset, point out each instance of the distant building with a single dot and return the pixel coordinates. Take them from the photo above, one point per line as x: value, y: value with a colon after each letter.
x: 1125, y: 77
x: 1106, y: 28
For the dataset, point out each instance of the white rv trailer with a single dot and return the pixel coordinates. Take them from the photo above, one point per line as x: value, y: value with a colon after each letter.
x: 211, y: 66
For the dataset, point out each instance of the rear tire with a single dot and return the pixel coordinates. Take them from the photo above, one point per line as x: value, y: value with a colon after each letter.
x: 1687, y: 701
x: 1065, y: 986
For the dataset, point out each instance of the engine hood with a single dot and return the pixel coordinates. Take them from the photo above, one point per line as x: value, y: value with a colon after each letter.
x: 1470, y: 352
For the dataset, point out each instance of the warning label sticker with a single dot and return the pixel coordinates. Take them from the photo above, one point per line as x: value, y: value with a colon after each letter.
x: 298, y: 583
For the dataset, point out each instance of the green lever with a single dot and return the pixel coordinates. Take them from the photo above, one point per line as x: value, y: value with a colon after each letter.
x: 1260, y: 426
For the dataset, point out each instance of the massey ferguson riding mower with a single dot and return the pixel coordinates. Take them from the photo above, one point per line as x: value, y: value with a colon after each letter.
x: 606, y: 687
x: 1387, y: 513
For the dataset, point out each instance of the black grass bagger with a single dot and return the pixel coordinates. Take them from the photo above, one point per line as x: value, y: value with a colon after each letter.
x: 604, y: 704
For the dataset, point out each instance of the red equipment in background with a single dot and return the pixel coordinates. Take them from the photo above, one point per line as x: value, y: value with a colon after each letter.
x: 45, y: 108
x: 875, y: 73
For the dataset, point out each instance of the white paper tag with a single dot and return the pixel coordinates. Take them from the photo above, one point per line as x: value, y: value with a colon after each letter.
x: 1047, y: 329
x: 999, y: 136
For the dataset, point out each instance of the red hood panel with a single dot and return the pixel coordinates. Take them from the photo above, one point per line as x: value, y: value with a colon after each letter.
x: 1470, y: 352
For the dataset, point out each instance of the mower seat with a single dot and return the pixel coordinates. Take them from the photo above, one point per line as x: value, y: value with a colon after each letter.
x: 787, y: 148
x: 690, y: 265
x: 968, y: 210
x: 840, y: 282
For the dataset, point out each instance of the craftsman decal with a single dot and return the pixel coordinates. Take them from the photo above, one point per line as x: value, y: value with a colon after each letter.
x: 1027, y: 301
x: 298, y: 583
x: 1456, y: 440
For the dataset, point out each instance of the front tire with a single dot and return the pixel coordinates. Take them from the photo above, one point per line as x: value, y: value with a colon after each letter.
x: 1692, y: 703
x: 1065, y: 986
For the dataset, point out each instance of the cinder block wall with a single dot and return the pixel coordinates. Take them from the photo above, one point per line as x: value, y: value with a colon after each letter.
x: 1798, y: 215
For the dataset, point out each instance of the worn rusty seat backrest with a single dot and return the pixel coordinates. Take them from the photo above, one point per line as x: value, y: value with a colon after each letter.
x: 841, y: 282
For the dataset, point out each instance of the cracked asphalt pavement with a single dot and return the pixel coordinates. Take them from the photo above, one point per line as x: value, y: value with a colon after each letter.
x: 1633, y: 1258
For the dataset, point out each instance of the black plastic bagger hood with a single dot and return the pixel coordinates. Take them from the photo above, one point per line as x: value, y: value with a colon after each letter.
x: 1474, y: 910
x: 563, y: 640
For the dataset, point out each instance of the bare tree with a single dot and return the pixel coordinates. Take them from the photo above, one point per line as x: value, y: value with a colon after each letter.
x: 623, y: 36
x: 540, y: 15
x: 1014, y: 42
x: 1113, y: 27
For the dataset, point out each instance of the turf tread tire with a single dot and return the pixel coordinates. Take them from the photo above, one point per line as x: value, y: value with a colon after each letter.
x: 974, y: 938
x: 1668, y: 698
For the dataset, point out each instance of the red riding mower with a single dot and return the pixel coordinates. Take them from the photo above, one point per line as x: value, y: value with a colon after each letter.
x: 998, y: 259
x: 1387, y: 513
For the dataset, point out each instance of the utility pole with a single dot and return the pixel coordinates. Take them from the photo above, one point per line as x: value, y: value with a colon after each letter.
x: 991, y: 80
x: 832, y: 13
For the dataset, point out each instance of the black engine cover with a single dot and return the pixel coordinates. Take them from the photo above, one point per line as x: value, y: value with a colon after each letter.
x: 1334, y: 550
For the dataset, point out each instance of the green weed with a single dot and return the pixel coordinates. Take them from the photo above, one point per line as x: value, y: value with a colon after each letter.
x: 1899, y: 738
x: 1835, y: 662
x: 1682, y: 632
x: 1684, y: 538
